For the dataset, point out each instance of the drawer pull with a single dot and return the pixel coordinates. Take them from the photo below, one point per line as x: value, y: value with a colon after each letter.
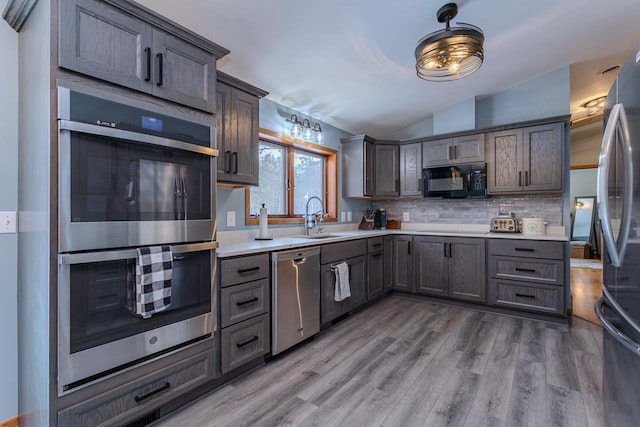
x: 144, y: 397
x: 376, y: 255
x: 525, y: 249
x: 248, y: 270
x: 249, y: 341
x: 249, y: 301
x: 528, y: 270
x: 526, y: 296
x: 375, y: 245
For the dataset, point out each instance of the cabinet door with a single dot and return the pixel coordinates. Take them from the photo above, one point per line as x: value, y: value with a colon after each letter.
x: 375, y: 271
x: 430, y: 259
x: 504, y: 162
x: 183, y: 72
x: 403, y: 277
x: 369, y: 168
x: 467, y: 269
x: 469, y: 149
x: 357, y: 281
x: 388, y: 263
x: 438, y: 152
x: 103, y: 42
x: 543, y: 149
x: 387, y: 172
x: 223, y: 128
x: 244, y: 156
x: 411, y: 169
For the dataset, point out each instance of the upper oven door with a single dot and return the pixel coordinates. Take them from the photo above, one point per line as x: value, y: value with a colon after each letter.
x: 123, y: 188
x: 446, y: 181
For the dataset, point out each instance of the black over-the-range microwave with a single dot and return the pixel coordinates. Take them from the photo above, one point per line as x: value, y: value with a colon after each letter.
x: 455, y: 181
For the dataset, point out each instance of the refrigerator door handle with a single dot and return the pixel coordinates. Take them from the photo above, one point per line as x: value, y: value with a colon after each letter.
x: 617, y: 121
x: 613, y: 331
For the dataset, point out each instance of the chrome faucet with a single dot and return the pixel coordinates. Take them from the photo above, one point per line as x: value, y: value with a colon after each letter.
x: 310, y: 219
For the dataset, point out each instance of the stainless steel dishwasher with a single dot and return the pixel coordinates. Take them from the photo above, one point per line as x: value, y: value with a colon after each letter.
x: 295, y: 297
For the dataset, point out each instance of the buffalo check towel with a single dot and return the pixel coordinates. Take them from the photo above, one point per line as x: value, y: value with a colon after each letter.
x: 154, y: 268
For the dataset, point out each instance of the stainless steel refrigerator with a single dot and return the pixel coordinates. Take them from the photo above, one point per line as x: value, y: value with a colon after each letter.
x: 619, y: 209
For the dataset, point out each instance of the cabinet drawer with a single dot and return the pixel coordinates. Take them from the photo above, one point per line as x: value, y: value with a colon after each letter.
x: 244, y: 269
x: 374, y: 244
x: 242, y: 302
x: 523, y: 296
x: 533, y: 270
x: 244, y: 341
x: 130, y: 401
x: 527, y: 248
x: 340, y: 251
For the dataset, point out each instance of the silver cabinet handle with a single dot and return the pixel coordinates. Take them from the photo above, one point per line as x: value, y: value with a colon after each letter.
x: 617, y: 122
x: 82, y: 258
x: 615, y: 332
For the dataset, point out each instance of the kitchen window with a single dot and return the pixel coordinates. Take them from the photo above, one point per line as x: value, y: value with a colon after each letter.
x: 291, y: 171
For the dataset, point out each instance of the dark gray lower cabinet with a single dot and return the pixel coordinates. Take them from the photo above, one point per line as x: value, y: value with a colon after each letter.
x: 403, y: 265
x: 375, y: 274
x: 451, y: 267
x: 331, y: 309
x: 136, y: 393
x: 244, y: 342
x: 387, y: 276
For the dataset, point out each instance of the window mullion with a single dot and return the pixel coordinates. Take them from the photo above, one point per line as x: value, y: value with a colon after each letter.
x: 291, y: 182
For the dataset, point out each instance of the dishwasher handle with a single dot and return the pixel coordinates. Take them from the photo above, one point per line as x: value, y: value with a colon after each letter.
x: 296, y: 255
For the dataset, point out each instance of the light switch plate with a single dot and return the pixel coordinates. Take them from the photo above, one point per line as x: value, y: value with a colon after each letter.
x: 8, y: 222
x: 343, y: 216
x: 405, y: 216
x: 349, y: 216
x: 231, y: 218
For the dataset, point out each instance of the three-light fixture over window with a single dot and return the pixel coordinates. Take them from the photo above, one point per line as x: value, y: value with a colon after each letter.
x: 303, y: 130
x: 451, y: 53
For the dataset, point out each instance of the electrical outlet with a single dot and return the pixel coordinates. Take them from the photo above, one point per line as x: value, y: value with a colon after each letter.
x: 231, y: 218
x: 349, y: 216
x: 405, y: 216
x: 8, y: 222
x: 343, y: 216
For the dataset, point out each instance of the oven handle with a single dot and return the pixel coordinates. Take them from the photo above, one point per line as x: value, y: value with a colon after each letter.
x: 110, y: 132
x: 128, y: 253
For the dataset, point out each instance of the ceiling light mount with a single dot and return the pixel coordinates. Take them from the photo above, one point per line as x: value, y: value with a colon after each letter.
x: 451, y: 53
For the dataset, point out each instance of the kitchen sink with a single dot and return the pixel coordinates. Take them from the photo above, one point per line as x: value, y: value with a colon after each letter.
x: 318, y: 236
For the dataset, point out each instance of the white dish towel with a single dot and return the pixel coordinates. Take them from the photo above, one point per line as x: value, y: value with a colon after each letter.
x: 342, y: 289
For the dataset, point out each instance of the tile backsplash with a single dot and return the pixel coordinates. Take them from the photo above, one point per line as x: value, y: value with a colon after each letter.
x: 473, y: 211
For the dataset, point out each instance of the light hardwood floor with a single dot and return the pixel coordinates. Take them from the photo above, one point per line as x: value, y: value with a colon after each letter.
x: 405, y: 362
x: 586, y: 288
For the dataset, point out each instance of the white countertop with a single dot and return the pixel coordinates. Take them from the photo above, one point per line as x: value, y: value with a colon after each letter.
x: 247, y: 245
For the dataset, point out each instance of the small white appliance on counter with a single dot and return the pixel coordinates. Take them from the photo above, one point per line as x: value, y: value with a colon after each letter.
x: 533, y: 226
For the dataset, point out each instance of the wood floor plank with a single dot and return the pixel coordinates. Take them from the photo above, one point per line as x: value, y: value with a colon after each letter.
x: 585, y: 336
x: 290, y: 412
x: 560, y: 366
x: 455, y: 400
x: 590, y: 376
x: 475, y: 419
x: 565, y: 407
x: 528, y: 403
x: 476, y: 354
x: 532, y: 342
x: 494, y: 391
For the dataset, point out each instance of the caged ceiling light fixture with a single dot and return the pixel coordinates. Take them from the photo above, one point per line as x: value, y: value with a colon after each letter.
x: 451, y: 53
x: 595, y: 106
x: 304, y: 130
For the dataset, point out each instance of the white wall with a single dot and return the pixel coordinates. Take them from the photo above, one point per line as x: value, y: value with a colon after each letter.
x: 8, y: 202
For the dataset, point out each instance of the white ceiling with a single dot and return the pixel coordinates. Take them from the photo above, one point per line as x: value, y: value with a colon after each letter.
x: 350, y: 63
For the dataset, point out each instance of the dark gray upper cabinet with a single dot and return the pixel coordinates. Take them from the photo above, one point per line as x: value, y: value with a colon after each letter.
x: 237, y: 130
x: 131, y: 46
x: 450, y: 267
x: 411, y: 169
x: 387, y: 178
x: 526, y: 159
x: 358, y: 166
x: 449, y: 151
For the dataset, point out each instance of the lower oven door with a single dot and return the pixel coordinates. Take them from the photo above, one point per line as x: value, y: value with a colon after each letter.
x: 98, y: 333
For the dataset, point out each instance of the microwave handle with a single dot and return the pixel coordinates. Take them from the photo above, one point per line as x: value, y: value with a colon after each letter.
x: 83, y: 258
x: 109, y: 132
x: 184, y: 198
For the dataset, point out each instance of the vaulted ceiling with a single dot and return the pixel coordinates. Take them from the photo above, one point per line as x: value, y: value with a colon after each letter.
x: 351, y: 64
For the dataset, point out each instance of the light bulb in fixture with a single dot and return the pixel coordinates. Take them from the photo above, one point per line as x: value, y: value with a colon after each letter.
x: 296, y: 127
x: 319, y: 135
x: 307, y: 132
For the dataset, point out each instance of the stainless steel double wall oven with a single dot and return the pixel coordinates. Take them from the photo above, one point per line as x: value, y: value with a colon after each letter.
x: 130, y: 175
